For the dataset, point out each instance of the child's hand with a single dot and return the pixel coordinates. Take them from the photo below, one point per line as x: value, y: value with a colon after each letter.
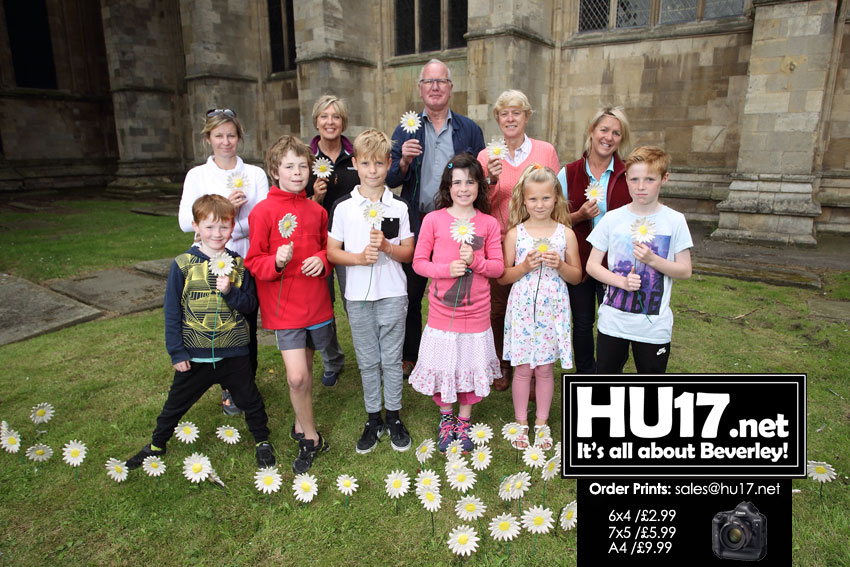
x: 457, y: 268
x: 222, y: 284
x: 370, y: 255
x: 532, y: 261
x: 312, y: 267
x: 589, y: 209
x: 466, y: 253
x: 238, y: 198
x: 283, y: 256
x: 643, y: 253
x: 494, y: 170
x: 632, y: 281
x: 182, y: 366
x: 320, y: 187
x: 376, y: 239
x: 552, y: 259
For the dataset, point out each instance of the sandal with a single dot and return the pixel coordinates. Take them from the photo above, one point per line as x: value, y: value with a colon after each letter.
x: 521, y: 441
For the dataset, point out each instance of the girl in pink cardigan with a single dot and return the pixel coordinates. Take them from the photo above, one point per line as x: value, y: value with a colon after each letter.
x: 459, y: 248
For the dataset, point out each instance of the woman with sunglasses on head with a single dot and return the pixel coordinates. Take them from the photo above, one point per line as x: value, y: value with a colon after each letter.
x: 244, y: 185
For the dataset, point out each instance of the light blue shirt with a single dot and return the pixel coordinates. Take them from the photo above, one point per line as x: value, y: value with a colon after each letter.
x: 437, y: 149
x: 603, y: 180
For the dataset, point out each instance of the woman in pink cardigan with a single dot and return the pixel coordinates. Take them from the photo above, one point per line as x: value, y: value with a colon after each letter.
x: 512, y: 112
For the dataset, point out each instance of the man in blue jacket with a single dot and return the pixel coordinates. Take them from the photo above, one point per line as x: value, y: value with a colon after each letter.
x: 418, y: 160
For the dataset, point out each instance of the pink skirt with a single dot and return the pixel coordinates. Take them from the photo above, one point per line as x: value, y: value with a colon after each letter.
x: 452, y: 362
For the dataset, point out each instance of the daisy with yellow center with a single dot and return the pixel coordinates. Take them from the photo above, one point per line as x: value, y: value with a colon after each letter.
x: 322, y: 168
x: 42, y: 413
x: 550, y: 469
x: 520, y: 484
x: 186, y: 431
x: 229, y: 435
x: 431, y: 500
x: 196, y: 467
x: 463, y: 540
x: 643, y: 230
x: 305, y: 487
x: 504, y: 527
x: 505, y: 486
x: 462, y: 230
x: 569, y: 515
x: 481, y: 458
x: 462, y: 480
x: 543, y: 436
x: 373, y: 214
x: 346, y: 484
x: 497, y: 149
x: 154, y: 466
x: 410, y: 122
x: 238, y: 181
x: 480, y: 433
x: 470, y: 508
x: 595, y: 191
x: 456, y: 463
x: 11, y: 441
x: 39, y: 453
x: 427, y: 480
x: 425, y: 450
x: 287, y: 225
x: 533, y: 457
x: 511, y: 431
x: 74, y: 452
x: 221, y: 264
x: 397, y: 484
x: 116, y: 470
x: 538, y: 520
x: 268, y: 480
x: 820, y: 471
x: 454, y: 450
x: 542, y: 245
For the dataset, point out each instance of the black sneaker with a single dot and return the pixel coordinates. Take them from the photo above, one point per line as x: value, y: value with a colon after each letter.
x: 294, y: 435
x: 371, y: 433
x: 135, y: 461
x: 265, y: 455
x: 227, y: 406
x: 307, y: 451
x: 399, y: 437
x: 329, y: 378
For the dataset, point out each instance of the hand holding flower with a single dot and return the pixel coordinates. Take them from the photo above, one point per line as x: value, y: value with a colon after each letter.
x: 552, y: 259
x: 588, y: 210
x: 494, y: 170
x: 320, y: 188
x: 369, y: 255
x: 532, y: 261
x: 312, y: 267
x: 410, y: 150
x: 466, y: 253
x: 238, y: 198
x: 222, y: 284
x: 457, y: 268
x: 376, y: 239
x: 632, y: 281
x: 283, y: 256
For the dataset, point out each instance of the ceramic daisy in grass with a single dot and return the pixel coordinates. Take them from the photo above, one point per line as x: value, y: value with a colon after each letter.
x: 480, y: 433
x: 268, y: 480
x: 186, y: 431
x: 470, y: 508
x: 373, y: 214
x: 322, y: 168
x: 504, y: 527
x: 643, y: 230
x: 431, y: 500
x: 229, y: 435
x: 154, y: 466
x: 538, y: 520
x: 463, y: 540
x: 462, y: 230
x: 454, y: 450
x: 397, y: 484
x: 820, y: 471
x: 42, y: 413
x: 74, y: 452
x: 533, y: 457
x: 39, y: 453
x: 510, y: 431
x: 221, y: 264
x: 410, y: 122
x: 425, y: 450
x: 116, y: 470
x: 454, y: 464
x: 346, y: 484
x: 543, y: 436
x: 497, y: 149
x: 481, y: 458
x: 427, y: 480
x: 238, y: 181
x: 196, y: 467
x: 505, y: 488
x: 462, y: 480
x: 595, y: 190
x: 305, y: 487
x: 569, y: 516
x: 11, y: 441
x: 520, y: 483
x: 550, y: 469
x: 287, y: 225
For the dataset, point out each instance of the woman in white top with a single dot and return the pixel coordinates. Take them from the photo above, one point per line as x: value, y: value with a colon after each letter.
x: 225, y: 174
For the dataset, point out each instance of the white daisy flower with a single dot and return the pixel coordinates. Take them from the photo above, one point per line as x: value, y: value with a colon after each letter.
x: 520, y: 483
x: 11, y: 441
x: 497, y: 148
x: 820, y: 471
x: 550, y: 469
x: 305, y: 486
x: 504, y: 527
x: 595, y: 190
x: 397, y: 484
x: 410, y: 122
x: 214, y: 478
x: 505, y: 492
x: 463, y: 540
x: 511, y: 431
x: 533, y: 457
x: 196, y: 467
x: 74, y: 452
x: 322, y: 168
x: 186, y: 431
x: 430, y: 500
x: 541, y: 244
x: 542, y: 434
x: 39, y: 452
x: 454, y: 464
x: 42, y: 413
x: 425, y: 450
x: 480, y: 433
x: 462, y: 230
x: 229, y: 435
x: 569, y: 516
x: 373, y: 214
x: 454, y: 450
x: 153, y: 465
x: 643, y: 230
x: 538, y: 520
x: 427, y: 480
x: 346, y: 484
x: 268, y: 480
x: 116, y: 470
x: 238, y: 181
x: 470, y: 508
x: 221, y: 264
x: 287, y: 225
x: 481, y: 458
x: 462, y: 480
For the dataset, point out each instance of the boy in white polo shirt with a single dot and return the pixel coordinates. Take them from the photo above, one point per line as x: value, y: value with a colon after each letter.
x: 369, y: 233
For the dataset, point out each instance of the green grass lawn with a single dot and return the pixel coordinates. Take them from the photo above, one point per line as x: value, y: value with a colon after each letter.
x: 108, y: 378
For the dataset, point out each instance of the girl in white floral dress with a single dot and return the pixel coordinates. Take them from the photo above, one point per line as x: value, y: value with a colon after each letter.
x: 541, y: 257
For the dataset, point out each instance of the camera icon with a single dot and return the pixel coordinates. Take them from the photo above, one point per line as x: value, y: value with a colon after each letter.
x: 740, y: 533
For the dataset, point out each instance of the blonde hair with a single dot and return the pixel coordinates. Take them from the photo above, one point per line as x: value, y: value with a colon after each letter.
x: 324, y: 102
x: 372, y: 143
x: 615, y: 112
x: 509, y: 98
x: 538, y: 174
x: 283, y: 146
x: 655, y: 158
x: 220, y: 208
x: 213, y: 122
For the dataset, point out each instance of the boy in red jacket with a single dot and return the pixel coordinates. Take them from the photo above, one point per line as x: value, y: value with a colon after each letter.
x: 288, y: 258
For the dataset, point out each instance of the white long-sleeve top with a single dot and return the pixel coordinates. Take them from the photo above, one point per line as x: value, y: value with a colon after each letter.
x: 209, y: 179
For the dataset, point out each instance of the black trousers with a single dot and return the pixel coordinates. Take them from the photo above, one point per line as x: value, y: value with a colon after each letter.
x: 612, y: 354
x: 416, y: 286
x: 187, y: 388
x: 583, y: 300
